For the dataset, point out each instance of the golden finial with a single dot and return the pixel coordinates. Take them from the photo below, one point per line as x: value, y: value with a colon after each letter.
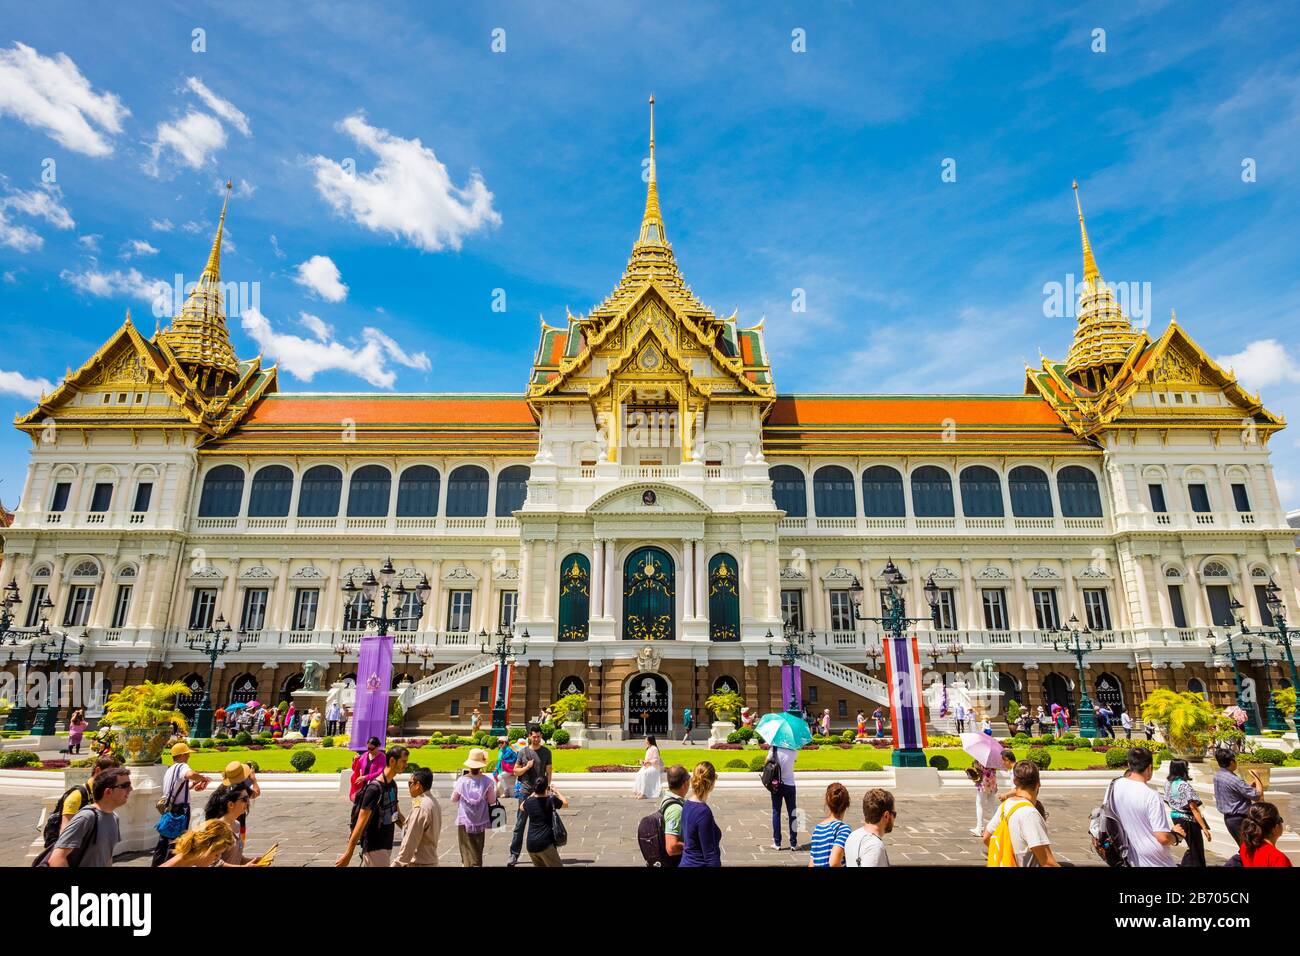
x: 1173, y: 317
x: 652, y: 223
x: 1090, y: 270
x: 214, y: 257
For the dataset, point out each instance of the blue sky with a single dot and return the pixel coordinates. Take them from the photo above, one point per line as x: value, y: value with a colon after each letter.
x: 779, y: 170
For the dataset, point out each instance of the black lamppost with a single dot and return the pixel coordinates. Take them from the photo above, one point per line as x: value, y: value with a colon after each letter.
x: 873, y: 653
x: 11, y: 600
x: 213, y: 642
x: 382, y: 588
x: 504, y: 651
x: 1273, y: 719
x: 789, y: 650
x: 1073, y: 645
x: 1250, y: 727
x: 1277, y: 611
x: 19, y: 713
x: 47, y: 716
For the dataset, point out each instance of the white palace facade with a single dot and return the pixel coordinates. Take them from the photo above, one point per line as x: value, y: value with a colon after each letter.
x: 651, y: 488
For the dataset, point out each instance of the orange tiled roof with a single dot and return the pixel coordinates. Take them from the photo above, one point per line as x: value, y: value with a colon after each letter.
x: 911, y: 410
x: 378, y: 409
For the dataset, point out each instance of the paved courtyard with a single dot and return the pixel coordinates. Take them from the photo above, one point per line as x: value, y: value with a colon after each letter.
x: 311, y: 830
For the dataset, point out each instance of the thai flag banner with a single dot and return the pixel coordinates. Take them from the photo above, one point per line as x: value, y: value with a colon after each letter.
x: 374, y: 684
x: 501, y: 685
x: 906, y: 705
x: 791, y: 673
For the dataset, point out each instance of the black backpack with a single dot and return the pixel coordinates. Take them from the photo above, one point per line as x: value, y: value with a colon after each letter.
x: 51, y: 831
x: 771, y: 775
x: 356, y: 804
x: 651, y: 836
x: 77, y: 855
x: 1107, y: 833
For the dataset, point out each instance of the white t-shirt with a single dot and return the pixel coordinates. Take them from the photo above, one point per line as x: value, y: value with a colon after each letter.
x: 785, y: 760
x: 864, y: 848
x: 1142, y: 813
x: 172, y: 787
x: 1027, y: 829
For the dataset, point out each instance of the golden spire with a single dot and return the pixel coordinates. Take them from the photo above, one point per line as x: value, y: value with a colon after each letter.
x: 1090, y: 271
x: 652, y: 223
x: 1103, y: 336
x: 198, y: 337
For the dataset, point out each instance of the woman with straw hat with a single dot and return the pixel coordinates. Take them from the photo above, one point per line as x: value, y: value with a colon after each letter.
x: 473, y: 794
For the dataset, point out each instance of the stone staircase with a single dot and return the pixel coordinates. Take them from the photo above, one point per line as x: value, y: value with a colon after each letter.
x: 848, y: 678
x: 444, y: 680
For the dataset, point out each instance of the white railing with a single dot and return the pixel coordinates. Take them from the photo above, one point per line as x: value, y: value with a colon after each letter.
x: 448, y: 678
x: 301, y: 637
x: 649, y: 471
x: 95, y: 517
x: 847, y: 677
x: 137, y: 517
x: 933, y: 523
x: 507, y: 524
x: 794, y: 524
x: 54, y: 517
x: 1204, y: 519
x: 1025, y: 523
x: 986, y: 523
x: 1187, y: 635
x: 1164, y: 519
x: 367, y: 524
x: 463, y: 524
x: 1083, y: 524
x: 209, y: 524
x: 427, y: 523
x: 880, y: 524
x: 111, y: 636
x: 317, y: 523
x: 823, y: 523
x: 1245, y: 517
x: 266, y: 524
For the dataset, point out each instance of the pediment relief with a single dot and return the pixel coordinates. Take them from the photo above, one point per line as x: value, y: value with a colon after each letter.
x: 649, y: 499
x: 1175, y: 368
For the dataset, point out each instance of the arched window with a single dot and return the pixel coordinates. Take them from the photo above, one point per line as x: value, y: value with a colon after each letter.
x: 512, y: 489
x: 417, y: 492
x: 1031, y: 496
x: 319, y: 495
x: 1077, y: 488
x: 223, y: 492
x: 467, y: 492
x: 1197, y: 686
x: 833, y: 495
x: 882, y: 492
x: 931, y: 492
x: 575, y: 598
x: 271, y: 492
x: 724, y: 598
x: 789, y: 491
x: 369, y: 492
x: 727, y: 685
x: 981, y: 492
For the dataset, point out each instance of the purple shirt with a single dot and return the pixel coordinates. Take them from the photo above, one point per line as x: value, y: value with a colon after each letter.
x: 473, y: 796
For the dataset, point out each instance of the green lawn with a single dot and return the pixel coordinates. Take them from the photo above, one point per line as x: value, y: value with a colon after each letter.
x: 334, y: 759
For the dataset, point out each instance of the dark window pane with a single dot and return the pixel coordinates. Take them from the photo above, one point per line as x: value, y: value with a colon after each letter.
x: 322, y: 487
x: 882, y: 492
x: 1240, y: 498
x: 833, y: 495
x: 1080, y: 497
x: 271, y: 492
x: 102, y: 496
x: 60, y: 499
x: 417, y: 492
x: 981, y: 492
x: 512, y: 489
x: 467, y: 492
x: 1199, y: 497
x: 788, y: 490
x: 1031, y: 496
x: 143, y: 495
x: 1176, y: 605
x: 1157, y: 498
x: 369, y: 491
x: 223, y: 492
x: 931, y: 493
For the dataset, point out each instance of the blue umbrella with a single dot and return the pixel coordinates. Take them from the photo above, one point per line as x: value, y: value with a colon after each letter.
x: 236, y: 706
x: 784, y: 730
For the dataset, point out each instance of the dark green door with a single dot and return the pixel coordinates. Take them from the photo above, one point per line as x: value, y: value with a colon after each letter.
x: 724, y: 599
x: 649, y: 597
x: 575, y: 597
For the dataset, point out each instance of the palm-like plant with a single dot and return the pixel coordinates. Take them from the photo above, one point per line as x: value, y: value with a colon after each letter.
x: 1283, y: 699
x: 1183, y: 716
x: 726, y: 705
x: 145, y: 706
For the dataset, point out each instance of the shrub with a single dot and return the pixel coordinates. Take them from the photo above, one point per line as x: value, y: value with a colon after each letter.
x: 939, y: 762
x: 757, y: 763
x: 1040, y: 758
x: 737, y: 764
x: 548, y: 731
x: 561, y: 737
x: 514, y: 733
x: 870, y: 766
x: 1013, y: 712
x: 327, y: 742
x: 243, y: 738
x: 302, y: 760
x: 1269, y: 755
x: 1182, y: 716
x: 12, y: 759
x: 221, y: 735
x: 206, y: 742
x: 726, y: 746
x: 735, y: 737
x: 570, y: 707
x: 1116, y: 757
x: 1021, y: 736
x: 746, y: 734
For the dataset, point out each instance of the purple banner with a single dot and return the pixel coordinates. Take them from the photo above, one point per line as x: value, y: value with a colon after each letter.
x: 786, y: 670
x: 374, y: 682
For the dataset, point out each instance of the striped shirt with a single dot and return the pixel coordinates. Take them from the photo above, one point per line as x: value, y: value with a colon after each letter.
x: 825, y: 837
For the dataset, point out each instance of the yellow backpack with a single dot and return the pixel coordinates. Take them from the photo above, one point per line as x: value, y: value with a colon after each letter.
x: 1001, y: 852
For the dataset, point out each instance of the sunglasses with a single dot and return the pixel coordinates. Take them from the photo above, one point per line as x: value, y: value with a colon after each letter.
x: 121, y: 786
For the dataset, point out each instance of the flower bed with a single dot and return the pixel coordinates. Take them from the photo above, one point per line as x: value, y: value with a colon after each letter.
x: 612, y: 768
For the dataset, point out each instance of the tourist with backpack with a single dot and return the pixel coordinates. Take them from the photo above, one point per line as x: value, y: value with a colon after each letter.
x: 73, y: 800
x: 88, y: 840
x: 376, y: 815
x: 866, y: 845
x: 546, y: 834
x: 534, y: 761
x: 175, y: 803
x: 659, y: 834
x: 366, y: 767
x: 474, y: 792
x: 778, y: 779
x: 1017, y: 833
x: 688, y: 724
x: 1144, y: 828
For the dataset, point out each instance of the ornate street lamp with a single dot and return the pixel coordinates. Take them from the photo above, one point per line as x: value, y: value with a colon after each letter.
x: 873, y: 653
x: 1250, y: 727
x: 47, y: 716
x: 381, y: 589
x: 20, y: 712
x: 212, y: 642
x: 504, y: 651
x: 789, y: 650
x: 1273, y: 720
x: 11, y: 600
x: 1277, y: 611
x: 1073, y: 645
x: 935, y: 655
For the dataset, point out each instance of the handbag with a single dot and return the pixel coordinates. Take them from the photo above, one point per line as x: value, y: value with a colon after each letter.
x: 171, y: 824
x: 558, y: 830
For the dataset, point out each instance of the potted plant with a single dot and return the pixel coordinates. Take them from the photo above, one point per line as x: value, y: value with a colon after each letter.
x: 570, y: 713
x: 725, y: 707
x: 1283, y: 700
x: 1184, y: 717
x: 142, y: 716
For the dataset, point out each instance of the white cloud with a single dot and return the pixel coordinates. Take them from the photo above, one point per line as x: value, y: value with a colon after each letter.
x: 36, y: 204
x: 138, y: 247
x: 305, y: 358
x: 51, y: 94
x: 16, y: 383
x: 223, y: 108
x: 160, y: 225
x: 275, y: 244
x: 316, y: 325
x: 90, y: 240
x: 321, y: 276
x: 1262, y: 363
x: 117, y: 282
x: 408, y: 194
x: 192, y: 227
x: 190, y: 140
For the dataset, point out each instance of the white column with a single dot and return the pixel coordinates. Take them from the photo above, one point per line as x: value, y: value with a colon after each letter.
x: 139, y: 591
x: 525, y: 576
x: 817, y: 613
x: 746, y: 579
x: 701, y: 581
x: 1140, y: 563
x: 611, y: 577
x: 1199, y: 601
x: 1020, y: 602
x: 282, y: 597
x: 688, y: 579
x: 971, y: 598
x: 1248, y: 592
x: 548, y: 593
x: 1073, y: 604
x: 596, y: 605
x: 485, y: 621
x: 772, y: 567
x: 433, y: 611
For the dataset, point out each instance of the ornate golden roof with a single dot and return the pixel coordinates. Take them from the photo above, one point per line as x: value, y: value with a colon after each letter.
x: 1103, y: 337
x: 198, y: 338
